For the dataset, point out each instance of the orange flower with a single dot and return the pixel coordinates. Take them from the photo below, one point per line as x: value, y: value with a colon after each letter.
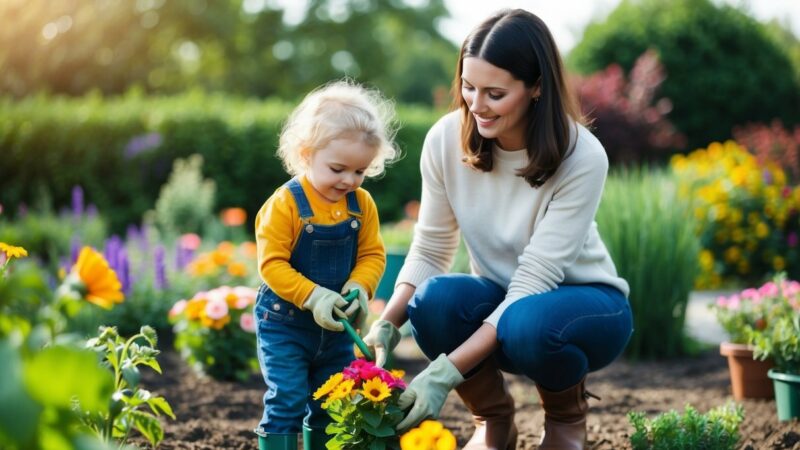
x: 237, y: 269
x: 248, y: 249
x: 233, y: 217
x: 92, y: 279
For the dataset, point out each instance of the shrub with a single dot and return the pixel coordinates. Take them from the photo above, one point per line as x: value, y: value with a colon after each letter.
x: 650, y: 236
x: 215, y: 332
x: 186, y: 200
x: 773, y: 143
x: 747, y: 215
x: 716, y: 430
x: 624, y: 114
x: 719, y: 63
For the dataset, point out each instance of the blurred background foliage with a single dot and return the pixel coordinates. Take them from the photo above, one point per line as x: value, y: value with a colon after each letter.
x: 723, y: 67
x: 237, y: 46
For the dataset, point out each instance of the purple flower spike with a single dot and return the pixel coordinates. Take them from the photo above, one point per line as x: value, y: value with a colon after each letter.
x: 77, y: 201
x: 142, y: 143
x: 160, y: 268
x: 74, y: 250
x: 124, y: 272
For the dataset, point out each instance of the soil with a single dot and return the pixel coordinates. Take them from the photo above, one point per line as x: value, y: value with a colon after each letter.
x: 221, y: 415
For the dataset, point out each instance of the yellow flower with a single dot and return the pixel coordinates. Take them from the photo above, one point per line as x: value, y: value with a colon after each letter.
x: 12, y: 251
x: 328, y: 386
x: 446, y: 441
x: 342, y: 390
x: 94, y: 280
x: 237, y: 269
x: 429, y: 435
x: 376, y: 390
x: 706, y: 260
x: 397, y: 373
x: 415, y: 439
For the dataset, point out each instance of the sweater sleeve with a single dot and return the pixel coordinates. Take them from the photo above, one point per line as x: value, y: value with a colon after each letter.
x: 436, y: 233
x: 276, y: 230
x: 371, y: 258
x: 559, y: 237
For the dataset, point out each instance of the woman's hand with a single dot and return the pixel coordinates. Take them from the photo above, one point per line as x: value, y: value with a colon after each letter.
x: 428, y: 391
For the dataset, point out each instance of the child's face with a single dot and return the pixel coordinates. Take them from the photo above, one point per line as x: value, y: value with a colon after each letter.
x: 338, y: 168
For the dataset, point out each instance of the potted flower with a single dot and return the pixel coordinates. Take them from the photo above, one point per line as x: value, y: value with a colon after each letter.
x: 780, y: 341
x: 362, y: 403
x: 741, y: 315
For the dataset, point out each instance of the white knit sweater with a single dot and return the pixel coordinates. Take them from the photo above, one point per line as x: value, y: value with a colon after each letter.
x: 528, y: 240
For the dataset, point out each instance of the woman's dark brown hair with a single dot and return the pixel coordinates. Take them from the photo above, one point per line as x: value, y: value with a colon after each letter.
x: 519, y: 42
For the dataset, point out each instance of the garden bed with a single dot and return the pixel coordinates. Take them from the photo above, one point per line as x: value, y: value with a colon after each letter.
x: 221, y: 415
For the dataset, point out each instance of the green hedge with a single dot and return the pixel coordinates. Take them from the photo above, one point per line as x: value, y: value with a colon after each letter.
x: 120, y: 150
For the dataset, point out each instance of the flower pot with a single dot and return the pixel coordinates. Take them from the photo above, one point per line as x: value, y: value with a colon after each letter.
x: 748, y: 376
x: 787, y: 394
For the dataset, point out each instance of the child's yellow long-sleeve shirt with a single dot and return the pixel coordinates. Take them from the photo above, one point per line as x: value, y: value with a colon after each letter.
x: 278, y: 227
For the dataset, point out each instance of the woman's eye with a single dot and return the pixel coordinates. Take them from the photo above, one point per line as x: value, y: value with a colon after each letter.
x: 336, y: 170
x: 468, y: 88
x: 359, y: 172
x: 495, y: 96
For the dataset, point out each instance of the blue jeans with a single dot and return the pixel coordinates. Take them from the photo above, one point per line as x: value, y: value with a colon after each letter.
x: 296, y: 356
x: 554, y: 338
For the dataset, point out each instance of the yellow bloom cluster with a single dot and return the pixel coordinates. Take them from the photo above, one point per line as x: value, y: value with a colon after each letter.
x: 213, y: 309
x: 745, y: 209
x: 12, y: 251
x: 227, y: 258
x: 429, y: 435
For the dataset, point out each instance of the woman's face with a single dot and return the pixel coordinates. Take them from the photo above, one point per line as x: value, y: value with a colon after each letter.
x: 498, y: 102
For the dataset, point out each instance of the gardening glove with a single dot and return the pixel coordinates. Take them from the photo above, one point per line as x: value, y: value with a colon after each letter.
x: 428, y: 391
x: 382, y: 338
x: 357, y: 306
x: 324, y: 303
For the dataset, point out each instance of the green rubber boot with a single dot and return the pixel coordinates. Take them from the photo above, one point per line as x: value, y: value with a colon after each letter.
x: 276, y: 441
x: 314, y: 439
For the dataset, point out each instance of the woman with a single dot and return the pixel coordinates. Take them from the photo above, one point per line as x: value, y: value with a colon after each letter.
x: 513, y: 172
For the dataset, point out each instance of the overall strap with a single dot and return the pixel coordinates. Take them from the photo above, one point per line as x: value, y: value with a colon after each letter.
x: 352, y: 204
x: 303, y: 206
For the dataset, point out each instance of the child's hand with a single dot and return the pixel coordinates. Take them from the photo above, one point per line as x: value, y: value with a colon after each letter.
x: 324, y: 303
x: 359, y: 306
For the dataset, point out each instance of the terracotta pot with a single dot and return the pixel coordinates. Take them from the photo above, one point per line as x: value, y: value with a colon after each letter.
x: 748, y: 376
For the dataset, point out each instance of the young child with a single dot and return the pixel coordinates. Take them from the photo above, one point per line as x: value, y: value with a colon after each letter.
x: 318, y: 238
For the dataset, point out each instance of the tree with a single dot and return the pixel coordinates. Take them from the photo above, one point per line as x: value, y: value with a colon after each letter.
x: 722, y: 68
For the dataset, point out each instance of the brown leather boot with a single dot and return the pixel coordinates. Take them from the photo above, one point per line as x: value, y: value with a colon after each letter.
x: 565, y: 417
x: 486, y: 395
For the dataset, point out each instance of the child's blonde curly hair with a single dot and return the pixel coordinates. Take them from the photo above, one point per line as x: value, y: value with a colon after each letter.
x: 337, y: 110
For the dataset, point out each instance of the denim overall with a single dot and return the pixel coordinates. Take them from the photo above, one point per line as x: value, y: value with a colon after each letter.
x: 296, y: 355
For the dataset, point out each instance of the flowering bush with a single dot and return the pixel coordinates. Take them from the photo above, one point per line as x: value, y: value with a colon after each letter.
x: 215, y: 331
x: 626, y: 115
x: 362, y: 401
x: 748, y: 216
x: 779, y: 339
x: 226, y: 264
x: 429, y: 435
x: 773, y: 142
x: 746, y: 312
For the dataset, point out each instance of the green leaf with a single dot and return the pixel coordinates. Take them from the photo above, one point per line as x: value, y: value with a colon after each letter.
x: 79, y: 375
x: 371, y: 417
x: 19, y: 414
x: 159, y: 405
x: 131, y: 374
x: 149, y: 426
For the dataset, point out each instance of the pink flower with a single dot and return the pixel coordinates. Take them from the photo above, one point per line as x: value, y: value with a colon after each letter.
x: 391, y: 381
x: 248, y: 323
x: 246, y: 296
x: 190, y: 241
x: 177, y: 308
x: 769, y: 289
x: 216, y: 310
x: 362, y: 370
